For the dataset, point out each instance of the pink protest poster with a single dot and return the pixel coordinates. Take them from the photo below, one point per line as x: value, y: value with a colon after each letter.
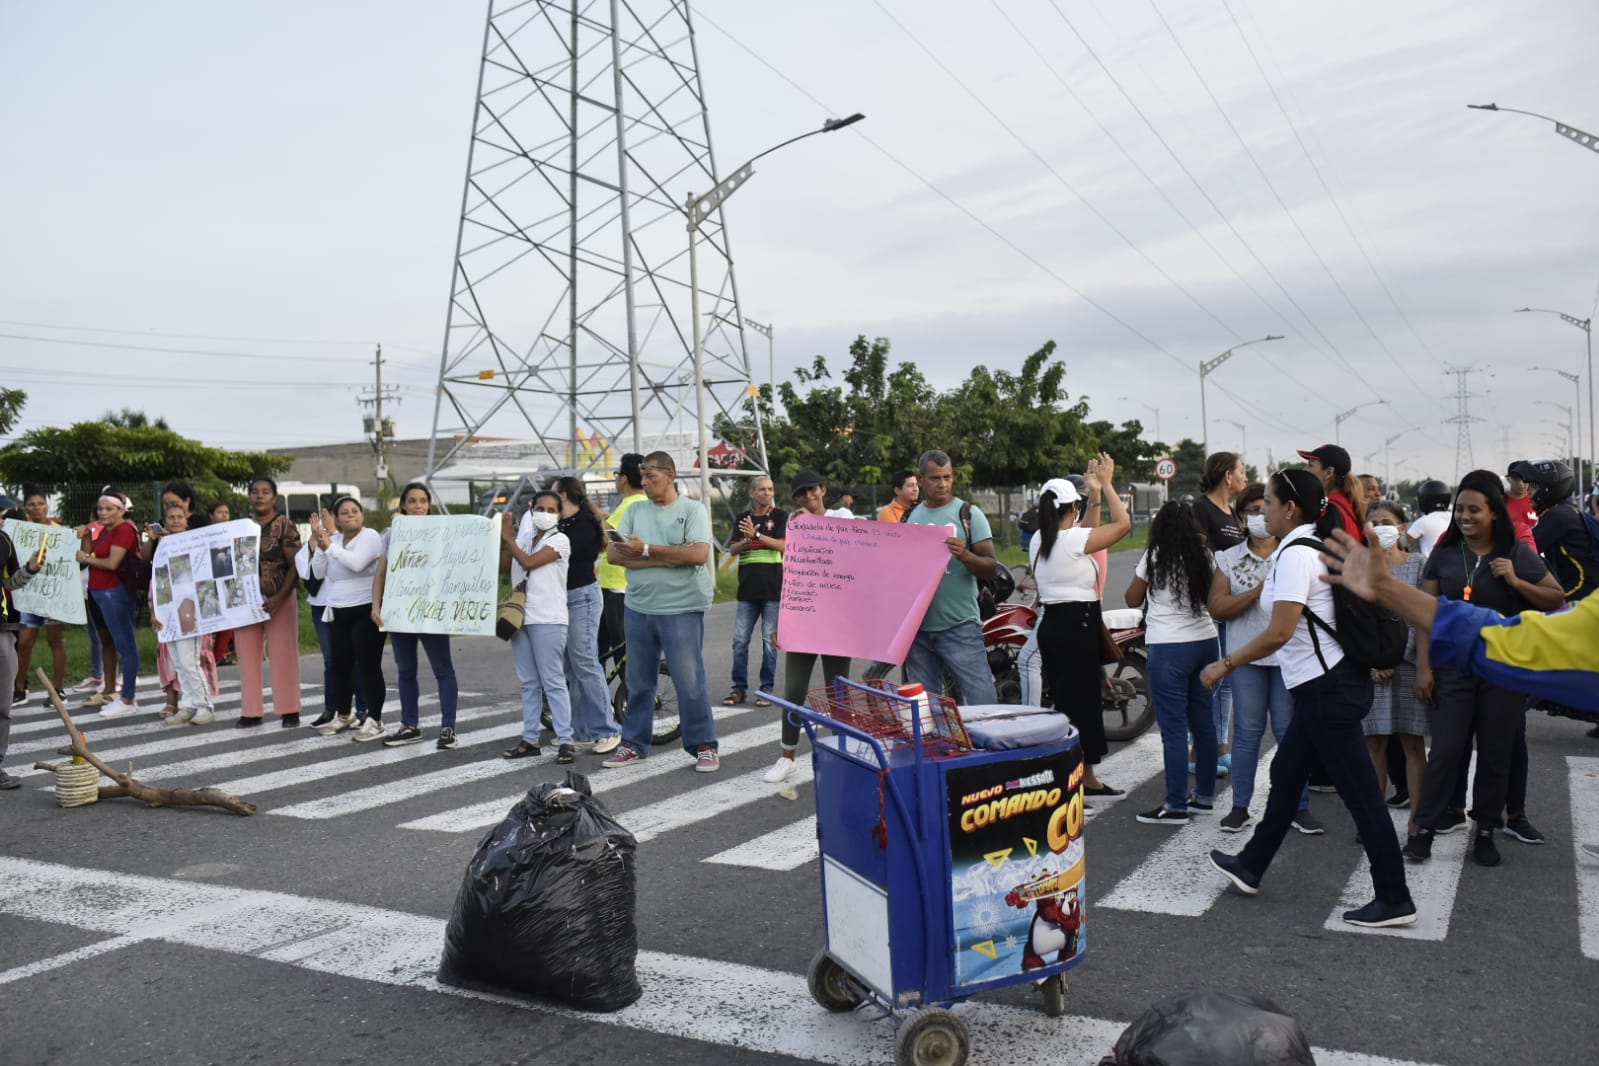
x: 858, y: 588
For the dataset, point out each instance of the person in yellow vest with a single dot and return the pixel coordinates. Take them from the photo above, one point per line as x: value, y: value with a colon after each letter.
x: 613, y: 578
x: 758, y: 543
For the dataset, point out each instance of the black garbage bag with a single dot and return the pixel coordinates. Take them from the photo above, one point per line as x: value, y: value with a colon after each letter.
x: 546, y: 907
x: 1209, y: 1027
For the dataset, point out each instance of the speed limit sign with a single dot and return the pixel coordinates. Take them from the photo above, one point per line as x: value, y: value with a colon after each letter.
x: 1165, y: 468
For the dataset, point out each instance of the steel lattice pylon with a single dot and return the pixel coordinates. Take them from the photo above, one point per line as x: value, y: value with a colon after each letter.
x: 569, y: 300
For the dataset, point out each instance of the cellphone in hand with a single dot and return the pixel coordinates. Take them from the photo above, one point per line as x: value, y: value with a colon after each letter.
x: 615, y: 535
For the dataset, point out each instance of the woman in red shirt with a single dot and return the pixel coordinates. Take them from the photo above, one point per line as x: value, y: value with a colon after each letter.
x: 110, y: 602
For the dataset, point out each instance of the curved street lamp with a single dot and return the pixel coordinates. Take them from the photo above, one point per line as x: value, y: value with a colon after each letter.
x: 1205, y: 367
x: 1571, y: 133
x: 1344, y: 416
x: 1586, y: 325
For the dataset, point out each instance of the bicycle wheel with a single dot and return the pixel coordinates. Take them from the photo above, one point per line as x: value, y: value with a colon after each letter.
x: 667, y: 725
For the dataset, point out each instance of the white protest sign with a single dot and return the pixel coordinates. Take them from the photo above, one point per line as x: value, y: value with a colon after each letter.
x: 443, y: 575
x: 208, y: 580
x: 56, y: 592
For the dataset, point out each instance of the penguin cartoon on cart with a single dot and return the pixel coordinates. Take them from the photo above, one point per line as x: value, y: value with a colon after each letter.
x: 1057, y: 919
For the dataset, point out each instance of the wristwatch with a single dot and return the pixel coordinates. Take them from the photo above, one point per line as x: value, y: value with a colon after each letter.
x: 646, y: 551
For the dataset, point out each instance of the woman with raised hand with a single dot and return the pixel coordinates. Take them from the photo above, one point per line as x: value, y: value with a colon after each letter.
x: 1395, y: 710
x: 585, y: 680
x: 277, y: 640
x: 415, y: 499
x: 324, y: 638
x: 1063, y: 565
x: 1174, y: 575
x: 36, y: 509
x: 347, y: 560
x: 111, y: 603
x: 538, y: 559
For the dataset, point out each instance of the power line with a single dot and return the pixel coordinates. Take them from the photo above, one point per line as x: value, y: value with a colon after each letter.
x: 176, y: 336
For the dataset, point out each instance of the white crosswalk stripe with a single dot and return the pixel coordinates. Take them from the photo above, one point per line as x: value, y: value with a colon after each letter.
x: 1583, y: 774
x: 89, y: 720
x: 783, y: 849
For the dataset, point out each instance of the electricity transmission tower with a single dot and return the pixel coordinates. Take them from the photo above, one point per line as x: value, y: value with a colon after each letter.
x: 569, y: 310
x: 1463, y: 418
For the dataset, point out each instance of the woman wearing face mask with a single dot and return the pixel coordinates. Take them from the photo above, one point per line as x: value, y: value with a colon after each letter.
x: 416, y: 500
x: 110, y: 601
x: 1395, y: 711
x: 1478, y: 560
x: 1259, y: 693
x: 347, y: 561
x: 538, y: 559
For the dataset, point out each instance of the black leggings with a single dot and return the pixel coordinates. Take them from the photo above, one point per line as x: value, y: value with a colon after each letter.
x: 797, y: 667
x: 357, y: 639
x: 1068, y: 648
x: 613, y: 628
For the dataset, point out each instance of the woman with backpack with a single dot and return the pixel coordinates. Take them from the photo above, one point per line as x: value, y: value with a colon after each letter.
x: 1174, y: 576
x: 1331, y: 694
x: 111, y: 602
x: 1478, y: 560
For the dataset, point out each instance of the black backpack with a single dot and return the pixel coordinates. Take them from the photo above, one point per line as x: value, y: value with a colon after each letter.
x: 1371, y: 636
x: 991, y: 593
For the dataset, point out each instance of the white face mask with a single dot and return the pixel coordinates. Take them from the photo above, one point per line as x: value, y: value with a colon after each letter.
x: 543, y: 521
x: 1387, y: 536
x: 1257, y: 525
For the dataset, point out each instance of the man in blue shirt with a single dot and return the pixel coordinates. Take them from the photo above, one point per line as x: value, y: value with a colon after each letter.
x: 951, y: 635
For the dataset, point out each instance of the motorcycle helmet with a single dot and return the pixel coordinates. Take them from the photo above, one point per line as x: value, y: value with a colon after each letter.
x: 1549, y: 480
x: 1433, y: 495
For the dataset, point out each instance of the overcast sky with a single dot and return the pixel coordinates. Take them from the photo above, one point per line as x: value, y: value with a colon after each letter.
x: 284, y: 179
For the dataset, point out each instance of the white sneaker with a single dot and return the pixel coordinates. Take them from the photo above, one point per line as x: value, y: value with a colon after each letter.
x: 606, y: 745
x: 371, y: 729
x: 202, y: 717
x: 340, y: 723
x: 181, y: 716
x: 780, y: 771
x: 88, y: 684
x: 118, y: 709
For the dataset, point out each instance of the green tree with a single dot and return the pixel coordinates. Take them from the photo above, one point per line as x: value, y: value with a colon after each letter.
x: 1135, y: 457
x: 1016, y: 429
x: 103, y: 453
x: 11, y: 403
x: 1190, y: 458
x: 128, y: 418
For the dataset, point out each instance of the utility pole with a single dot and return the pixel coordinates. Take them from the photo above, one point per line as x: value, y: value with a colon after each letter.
x: 1463, y: 417
x: 379, y: 428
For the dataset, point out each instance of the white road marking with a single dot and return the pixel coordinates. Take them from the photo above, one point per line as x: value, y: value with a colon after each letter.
x: 39, y: 704
x: 719, y: 1003
x: 783, y: 849
x: 1584, y: 778
x: 94, y: 728
x: 696, y: 805
x: 67, y: 958
x: 482, y: 815
x: 1177, y: 878
x: 1129, y: 768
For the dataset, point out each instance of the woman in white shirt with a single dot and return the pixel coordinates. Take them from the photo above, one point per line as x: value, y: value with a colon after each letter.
x: 324, y: 639
x: 538, y: 559
x: 1258, y: 690
x: 346, y: 560
x: 1174, y: 576
x: 1331, y: 696
x: 1068, y: 635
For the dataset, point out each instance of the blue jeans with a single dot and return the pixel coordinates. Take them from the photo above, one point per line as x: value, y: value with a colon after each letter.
x: 540, y: 650
x: 116, y: 610
x: 1257, y: 692
x: 330, y: 676
x: 960, y: 651
x: 681, y: 638
x: 96, y: 653
x: 437, y: 646
x: 749, y: 612
x: 591, y: 700
x: 1183, y: 707
x: 1222, y: 696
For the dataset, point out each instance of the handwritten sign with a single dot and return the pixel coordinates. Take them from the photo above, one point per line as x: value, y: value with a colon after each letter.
x: 443, y: 575
x: 207, y: 580
x: 858, y: 588
x: 56, y: 592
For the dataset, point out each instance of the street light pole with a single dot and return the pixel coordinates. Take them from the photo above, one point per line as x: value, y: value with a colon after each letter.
x: 1570, y: 422
x: 1586, y: 325
x: 1344, y: 416
x: 1387, y: 469
x: 771, y: 352
x: 698, y: 209
x: 1205, y: 368
x: 1571, y: 133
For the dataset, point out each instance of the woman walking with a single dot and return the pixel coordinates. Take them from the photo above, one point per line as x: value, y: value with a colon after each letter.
x: 1477, y: 560
x: 1259, y: 693
x: 539, y: 558
x: 347, y: 561
x: 111, y: 603
x: 36, y: 509
x: 1224, y: 478
x: 1063, y: 565
x: 1395, y: 711
x: 416, y: 500
x: 1331, y: 695
x: 277, y: 640
x: 1174, y: 575
x: 584, y: 530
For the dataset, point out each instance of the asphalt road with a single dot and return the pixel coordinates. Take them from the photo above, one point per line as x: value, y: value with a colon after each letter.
x: 310, y: 932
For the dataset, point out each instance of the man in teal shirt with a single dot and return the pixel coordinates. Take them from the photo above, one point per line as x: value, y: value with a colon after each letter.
x: 666, y: 548
x: 951, y: 635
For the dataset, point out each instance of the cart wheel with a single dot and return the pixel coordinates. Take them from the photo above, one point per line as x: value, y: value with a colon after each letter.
x: 1054, y: 990
x: 831, y: 986
x: 932, y: 1037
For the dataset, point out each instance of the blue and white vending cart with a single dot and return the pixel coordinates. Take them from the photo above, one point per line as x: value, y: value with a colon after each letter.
x: 951, y: 855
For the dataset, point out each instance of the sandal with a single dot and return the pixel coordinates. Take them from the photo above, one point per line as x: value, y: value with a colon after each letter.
x: 99, y: 699
x: 522, y: 751
x: 762, y: 701
x: 734, y: 698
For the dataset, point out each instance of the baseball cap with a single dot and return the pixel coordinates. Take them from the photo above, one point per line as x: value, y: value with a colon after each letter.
x: 1065, y: 491
x: 1330, y: 455
x: 805, y: 479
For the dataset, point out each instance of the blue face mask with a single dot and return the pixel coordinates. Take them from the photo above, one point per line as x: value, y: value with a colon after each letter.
x: 1257, y: 526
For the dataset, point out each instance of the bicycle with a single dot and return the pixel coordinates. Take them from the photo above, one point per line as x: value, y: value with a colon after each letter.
x: 667, y: 725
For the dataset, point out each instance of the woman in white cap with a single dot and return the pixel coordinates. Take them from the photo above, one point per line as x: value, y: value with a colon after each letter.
x: 1067, y: 577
